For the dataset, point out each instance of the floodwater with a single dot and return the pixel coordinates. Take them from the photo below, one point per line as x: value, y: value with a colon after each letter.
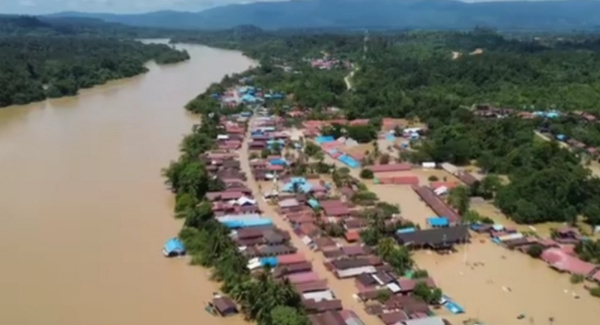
x: 492, y: 283
x: 496, y: 285
x: 83, y: 208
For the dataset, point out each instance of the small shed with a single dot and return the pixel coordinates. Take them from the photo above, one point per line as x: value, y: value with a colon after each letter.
x: 224, y: 306
x: 174, y: 247
x: 438, y: 222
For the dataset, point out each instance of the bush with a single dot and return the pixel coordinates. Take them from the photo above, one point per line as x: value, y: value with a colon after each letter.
x: 577, y: 278
x: 366, y: 174
x: 487, y: 221
x: 419, y: 274
x: 535, y: 251
x: 433, y: 178
x: 384, y: 159
x: 595, y: 292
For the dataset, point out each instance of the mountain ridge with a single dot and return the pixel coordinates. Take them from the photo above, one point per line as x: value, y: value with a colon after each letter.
x: 413, y: 14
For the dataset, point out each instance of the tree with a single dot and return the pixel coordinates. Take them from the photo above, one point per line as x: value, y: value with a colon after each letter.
x: 535, y: 251
x: 384, y: 159
x: 311, y: 149
x: 592, y: 214
x: 397, y: 256
x: 431, y: 296
x: 196, y: 216
x: 366, y: 174
x: 319, y: 156
x: 283, y: 315
x: 471, y: 217
x: 265, y: 153
x: 364, y: 198
x: 459, y: 198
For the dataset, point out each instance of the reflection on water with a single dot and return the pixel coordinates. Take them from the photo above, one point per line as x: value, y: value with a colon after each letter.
x: 84, y: 211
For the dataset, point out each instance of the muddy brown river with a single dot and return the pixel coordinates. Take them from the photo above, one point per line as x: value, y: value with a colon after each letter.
x: 83, y: 208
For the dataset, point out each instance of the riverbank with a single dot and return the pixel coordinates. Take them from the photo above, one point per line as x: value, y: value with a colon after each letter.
x: 86, y: 210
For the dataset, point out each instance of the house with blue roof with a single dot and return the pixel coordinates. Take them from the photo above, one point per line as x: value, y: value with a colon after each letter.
x: 438, y: 222
x: 297, y: 183
x: 313, y: 203
x: 248, y: 98
x: 174, y: 247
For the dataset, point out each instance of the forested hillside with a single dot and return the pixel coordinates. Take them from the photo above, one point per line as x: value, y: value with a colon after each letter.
x: 11, y: 25
x: 416, y: 75
x: 47, y: 63
x: 405, y: 68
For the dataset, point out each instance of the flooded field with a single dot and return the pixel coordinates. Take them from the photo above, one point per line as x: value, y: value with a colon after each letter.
x: 505, y: 284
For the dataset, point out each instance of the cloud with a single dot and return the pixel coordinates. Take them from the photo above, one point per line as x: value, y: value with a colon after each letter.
x: 27, y: 3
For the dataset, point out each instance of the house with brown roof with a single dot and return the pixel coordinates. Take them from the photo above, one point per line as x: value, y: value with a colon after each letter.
x: 312, y: 286
x: 437, y: 204
x: 355, y: 223
x: 327, y: 318
x: 335, y: 208
x: 224, y: 306
x: 389, y: 168
x: 408, y: 285
x: 283, y: 270
x: 347, y: 268
x: 394, y: 317
x: 467, y: 178
x: 435, y: 238
x: 313, y: 307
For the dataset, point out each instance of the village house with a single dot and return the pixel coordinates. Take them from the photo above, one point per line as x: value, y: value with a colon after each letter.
x: 260, y: 236
x: 283, y: 270
x: 347, y: 268
x: 567, y: 235
x: 335, y: 208
x: 269, y: 250
x: 561, y: 261
x: 436, y: 238
x: 437, y: 205
x: 312, y: 306
x: 312, y: 286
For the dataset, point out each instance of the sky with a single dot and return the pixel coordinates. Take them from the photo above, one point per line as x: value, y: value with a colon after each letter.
x: 34, y: 7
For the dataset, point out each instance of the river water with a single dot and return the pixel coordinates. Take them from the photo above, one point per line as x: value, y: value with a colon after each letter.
x: 84, y: 211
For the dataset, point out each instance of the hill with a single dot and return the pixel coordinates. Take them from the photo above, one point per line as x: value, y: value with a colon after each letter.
x: 414, y: 14
x: 11, y: 25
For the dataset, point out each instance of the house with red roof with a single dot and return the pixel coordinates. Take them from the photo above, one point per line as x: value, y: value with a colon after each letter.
x: 563, y: 262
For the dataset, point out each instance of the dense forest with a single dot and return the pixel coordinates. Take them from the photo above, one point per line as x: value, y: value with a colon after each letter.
x: 416, y: 75
x: 38, y: 66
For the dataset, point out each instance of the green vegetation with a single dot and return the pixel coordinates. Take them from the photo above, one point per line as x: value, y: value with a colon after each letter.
x: 412, y: 75
x: 589, y: 250
x: 366, y: 174
x: 576, y: 278
x: 396, y: 256
x: 430, y: 295
x: 38, y: 66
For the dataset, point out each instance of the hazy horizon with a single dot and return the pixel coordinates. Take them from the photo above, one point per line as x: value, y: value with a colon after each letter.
x: 39, y: 7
